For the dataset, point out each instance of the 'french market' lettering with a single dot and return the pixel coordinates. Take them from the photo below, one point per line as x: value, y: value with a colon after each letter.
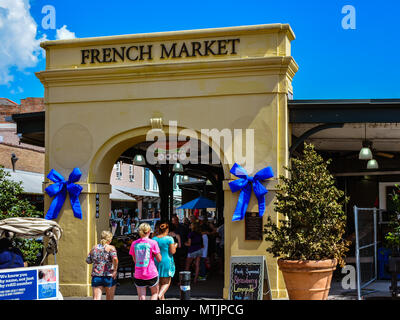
x: 174, y: 50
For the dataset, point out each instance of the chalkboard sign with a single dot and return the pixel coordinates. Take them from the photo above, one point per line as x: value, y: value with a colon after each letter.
x: 247, y: 277
x: 253, y: 226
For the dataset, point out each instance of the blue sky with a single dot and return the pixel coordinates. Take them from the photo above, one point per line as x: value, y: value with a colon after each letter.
x: 335, y: 63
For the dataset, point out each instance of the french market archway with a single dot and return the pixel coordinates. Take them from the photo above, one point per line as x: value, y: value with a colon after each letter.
x: 102, y: 95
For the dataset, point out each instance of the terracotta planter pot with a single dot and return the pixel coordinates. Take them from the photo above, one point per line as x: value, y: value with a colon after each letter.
x: 307, y: 280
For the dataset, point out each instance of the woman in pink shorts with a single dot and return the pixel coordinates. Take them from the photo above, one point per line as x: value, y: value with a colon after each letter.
x: 143, y: 252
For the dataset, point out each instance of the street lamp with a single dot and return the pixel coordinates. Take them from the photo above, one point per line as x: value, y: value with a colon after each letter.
x: 13, y: 160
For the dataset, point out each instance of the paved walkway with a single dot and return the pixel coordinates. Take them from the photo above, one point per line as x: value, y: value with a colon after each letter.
x: 211, y: 289
x: 376, y: 290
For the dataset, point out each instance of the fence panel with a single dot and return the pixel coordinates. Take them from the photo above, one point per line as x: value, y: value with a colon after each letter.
x: 365, y: 220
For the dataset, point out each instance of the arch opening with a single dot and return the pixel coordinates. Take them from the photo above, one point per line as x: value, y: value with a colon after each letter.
x: 168, y: 183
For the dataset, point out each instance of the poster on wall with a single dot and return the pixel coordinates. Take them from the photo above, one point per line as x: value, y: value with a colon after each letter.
x: 36, y: 283
x: 248, y: 278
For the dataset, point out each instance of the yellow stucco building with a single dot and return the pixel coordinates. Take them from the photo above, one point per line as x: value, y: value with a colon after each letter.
x: 103, y: 95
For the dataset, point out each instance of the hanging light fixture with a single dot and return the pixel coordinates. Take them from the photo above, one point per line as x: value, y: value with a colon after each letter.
x: 139, y: 160
x: 365, y: 152
x: 372, y: 164
x: 178, y: 167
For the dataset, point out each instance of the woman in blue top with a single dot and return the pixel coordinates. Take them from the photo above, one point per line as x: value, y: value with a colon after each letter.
x: 166, y: 267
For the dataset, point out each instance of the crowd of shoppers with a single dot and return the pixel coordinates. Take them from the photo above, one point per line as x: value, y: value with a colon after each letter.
x: 195, y: 248
x: 195, y: 245
x: 201, y: 248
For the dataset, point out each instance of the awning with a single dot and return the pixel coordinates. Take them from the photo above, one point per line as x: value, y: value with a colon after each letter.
x: 137, y: 192
x: 117, y: 195
x: 32, y: 184
x: 31, y: 127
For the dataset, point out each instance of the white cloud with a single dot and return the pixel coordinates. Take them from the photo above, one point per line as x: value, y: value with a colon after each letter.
x: 16, y: 91
x: 63, y: 33
x: 18, y: 31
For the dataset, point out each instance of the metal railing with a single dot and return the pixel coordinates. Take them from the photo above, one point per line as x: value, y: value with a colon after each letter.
x: 366, y: 250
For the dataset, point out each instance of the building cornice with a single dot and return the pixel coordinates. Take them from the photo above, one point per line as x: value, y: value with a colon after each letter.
x: 167, y: 71
x: 172, y: 35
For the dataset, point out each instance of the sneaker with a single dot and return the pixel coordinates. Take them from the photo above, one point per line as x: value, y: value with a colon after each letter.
x: 202, y: 278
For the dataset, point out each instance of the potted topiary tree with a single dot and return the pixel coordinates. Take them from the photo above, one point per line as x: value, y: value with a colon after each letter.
x: 309, y: 240
x: 393, y: 242
x: 393, y: 237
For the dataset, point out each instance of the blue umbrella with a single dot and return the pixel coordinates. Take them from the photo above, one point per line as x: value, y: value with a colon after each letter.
x: 198, y: 203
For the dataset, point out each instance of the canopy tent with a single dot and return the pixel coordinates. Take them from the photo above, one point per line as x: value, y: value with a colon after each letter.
x: 32, y: 228
x: 198, y: 203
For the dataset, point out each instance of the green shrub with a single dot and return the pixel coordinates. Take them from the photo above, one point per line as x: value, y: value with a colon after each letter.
x: 393, y: 237
x: 314, y: 220
x: 12, y: 205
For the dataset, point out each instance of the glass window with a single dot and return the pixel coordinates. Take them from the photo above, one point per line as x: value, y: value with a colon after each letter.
x: 118, y: 171
x: 146, y: 178
x: 155, y: 185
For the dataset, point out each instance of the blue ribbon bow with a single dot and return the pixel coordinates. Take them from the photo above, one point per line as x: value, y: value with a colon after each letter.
x: 59, y: 189
x: 245, y: 183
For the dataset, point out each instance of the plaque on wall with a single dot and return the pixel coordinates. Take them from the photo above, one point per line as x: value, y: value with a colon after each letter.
x: 253, y: 226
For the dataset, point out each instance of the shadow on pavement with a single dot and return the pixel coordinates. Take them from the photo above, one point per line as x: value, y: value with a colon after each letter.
x: 210, y: 289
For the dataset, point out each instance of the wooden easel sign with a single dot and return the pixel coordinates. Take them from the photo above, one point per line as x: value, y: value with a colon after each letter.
x: 248, y: 276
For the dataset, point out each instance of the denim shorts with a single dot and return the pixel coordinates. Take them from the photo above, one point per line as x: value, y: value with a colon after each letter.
x: 107, y: 282
x: 195, y: 254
